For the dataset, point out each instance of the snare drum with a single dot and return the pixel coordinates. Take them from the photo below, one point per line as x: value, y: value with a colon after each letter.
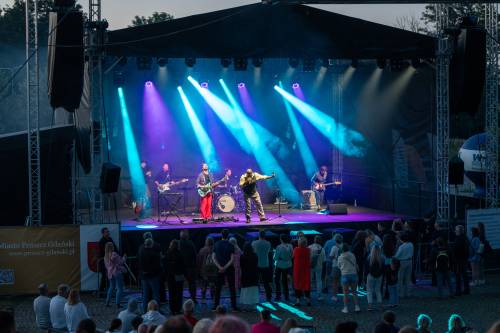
x: 226, y: 203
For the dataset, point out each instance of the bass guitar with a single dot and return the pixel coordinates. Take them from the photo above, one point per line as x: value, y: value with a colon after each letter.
x: 162, y: 188
x: 205, y: 189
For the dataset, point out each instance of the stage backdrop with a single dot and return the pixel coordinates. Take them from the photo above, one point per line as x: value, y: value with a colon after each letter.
x: 51, y: 254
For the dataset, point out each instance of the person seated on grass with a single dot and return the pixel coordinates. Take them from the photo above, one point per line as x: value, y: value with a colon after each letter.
x: 346, y: 327
x: 407, y: 329
x: 135, y: 323
x: 229, y: 324
x: 153, y: 316
x: 176, y: 324
x: 424, y: 323
x: 387, y: 323
x: 203, y: 325
x: 265, y: 326
x: 456, y: 324
x: 127, y: 315
x: 188, y: 310
x: 86, y: 326
x: 115, y: 326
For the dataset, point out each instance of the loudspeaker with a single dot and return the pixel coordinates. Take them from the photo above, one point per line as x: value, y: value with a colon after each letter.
x: 456, y: 171
x: 65, y: 60
x: 337, y: 209
x: 110, y: 177
x: 467, y: 70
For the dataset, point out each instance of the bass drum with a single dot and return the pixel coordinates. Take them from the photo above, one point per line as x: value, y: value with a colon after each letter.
x: 226, y: 203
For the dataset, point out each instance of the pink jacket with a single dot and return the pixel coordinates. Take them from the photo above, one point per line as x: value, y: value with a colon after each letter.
x: 115, y: 265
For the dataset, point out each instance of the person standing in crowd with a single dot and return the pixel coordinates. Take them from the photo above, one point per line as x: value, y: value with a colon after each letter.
x: 475, y: 256
x: 460, y: 253
x: 371, y: 241
x: 441, y: 259
x: 86, y: 326
x: 149, y: 259
x: 105, y: 238
x: 456, y: 324
x: 41, y: 306
x: 387, y: 324
x: 128, y: 315
x: 375, y: 271
x: 359, y: 251
x: 115, y: 267
x: 175, y: 269
x: 223, y: 258
x: 265, y: 326
x: 236, y: 263
x: 262, y: 248
x: 486, y: 249
x: 392, y: 282
x: 327, y: 267
x: 317, y: 259
x: 75, y: 311
x: 404, y: 254
x: 249, y: 295
x: 334, y: 256
x: 206, y: 267
x: 188, y: 253
x: 188, y: 312
x: 283, y: 262
x: 153, y: 315
x: 424, y: 323
x: 302, y: 271
x: 389, y: 242
x: 56, y: 309
x: 349, y: 277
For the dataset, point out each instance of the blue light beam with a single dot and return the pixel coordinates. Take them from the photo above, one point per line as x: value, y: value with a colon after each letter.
x: 206, y: 146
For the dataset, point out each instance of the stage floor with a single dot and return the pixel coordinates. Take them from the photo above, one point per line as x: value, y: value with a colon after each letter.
x: 289, y: 217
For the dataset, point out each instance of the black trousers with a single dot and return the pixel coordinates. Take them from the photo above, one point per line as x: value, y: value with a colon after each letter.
x: 462, y: 278
x: 281, y: 280
x: 103, y: 283
x: 300, y: 293
x: 221, y: 277
x: 266, y: 276
x: 191, y: 280
x: 175, y: 289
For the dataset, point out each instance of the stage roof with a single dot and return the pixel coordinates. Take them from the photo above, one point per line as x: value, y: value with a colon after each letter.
x: 269, y: 31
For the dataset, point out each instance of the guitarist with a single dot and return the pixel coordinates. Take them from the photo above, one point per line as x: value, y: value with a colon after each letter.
x: 318, y: 185
x: 163, y: 176
x: 204, y: 179
x: 248, y: 183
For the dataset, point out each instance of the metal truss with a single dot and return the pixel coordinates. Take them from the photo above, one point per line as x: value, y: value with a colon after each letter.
x: 32, y: 114
x: 442, y: 116
x: 337, y: 158
x: 491, y: 103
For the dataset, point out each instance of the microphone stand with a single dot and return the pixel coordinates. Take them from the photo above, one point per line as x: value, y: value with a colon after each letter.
x: 278, y: 196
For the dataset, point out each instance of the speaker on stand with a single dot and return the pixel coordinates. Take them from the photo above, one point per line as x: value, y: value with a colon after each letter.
x: 456, y: 177
x: 110, y: 179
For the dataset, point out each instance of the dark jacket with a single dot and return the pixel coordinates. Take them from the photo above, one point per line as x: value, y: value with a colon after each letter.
x: 461, y: 249
x: 434, y: 258
x: 102, y: 245
x: 173, y: 263
x: 149, y: 261
x: 384, y: 327
x: 249, y: 275
x: 188, y: 253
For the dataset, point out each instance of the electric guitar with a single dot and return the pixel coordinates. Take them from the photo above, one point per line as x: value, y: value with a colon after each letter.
x: 162, y: 188
x: 321, y: 187
x: 205, y: 189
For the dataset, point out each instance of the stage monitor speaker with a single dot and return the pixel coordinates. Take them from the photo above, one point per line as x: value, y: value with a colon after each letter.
x: 110, y: 178
x: 467, y: 71
x: 456, y: 171
x: 337, y: 209
x: 65, y: 60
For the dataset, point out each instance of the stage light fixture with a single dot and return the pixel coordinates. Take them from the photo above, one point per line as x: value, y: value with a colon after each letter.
x: 240, y: 64
x: 381, y: 63
x: 257, y: 62
x: 123, y: 61
x: 241, y: 85
x: 148, y: 84
x: 308, y: 65
x: 225, y: 62
x: 354, y: 63
x: 144, y: 63
x: 295, y: 85
x: 325, y: 62
x: 162, y: 62
x: 397, y: 65
x: 118, y: 78
x: 416, y: 62
x: 204, y: 85
x: 190, y: 62
x: 293, y: 62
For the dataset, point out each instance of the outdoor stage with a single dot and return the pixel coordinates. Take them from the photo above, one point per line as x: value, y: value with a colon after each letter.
x: 291, y: 220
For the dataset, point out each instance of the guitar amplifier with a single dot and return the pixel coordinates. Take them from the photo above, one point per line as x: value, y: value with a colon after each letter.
x: 309, y: 200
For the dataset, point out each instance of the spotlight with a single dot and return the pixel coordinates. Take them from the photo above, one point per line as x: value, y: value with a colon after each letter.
x: 241, y: 85
x: 225, y: 62
x: 190, y: 62
x: 240, y: 64
x: 162, y: 62
x: 149, y: 84
x: 398, y: 65
x: 295, y: 85
x: 204, y: 85
x: 118, y: 78
x: 354, y: 63
x: 308, y: 65
x: 325, y: 62
x: 293, y: 62
x: 416, y: 63
x: 257, y: 62
x: 144, y: 63
x: 381, y: 63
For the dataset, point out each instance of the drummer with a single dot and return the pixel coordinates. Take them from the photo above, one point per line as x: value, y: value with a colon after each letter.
x: 224, y: 187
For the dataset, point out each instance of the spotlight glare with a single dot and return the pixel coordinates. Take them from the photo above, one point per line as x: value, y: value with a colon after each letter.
x: 295, y: 85
x: 381, y: 63
x: 204, y: 84
x: 241, y: 85
x: 149, y: 84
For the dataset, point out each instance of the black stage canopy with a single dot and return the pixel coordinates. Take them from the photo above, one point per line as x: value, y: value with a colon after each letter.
x: 270, y: 31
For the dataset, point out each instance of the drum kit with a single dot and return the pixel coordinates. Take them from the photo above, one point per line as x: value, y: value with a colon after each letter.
x: 229, y: 201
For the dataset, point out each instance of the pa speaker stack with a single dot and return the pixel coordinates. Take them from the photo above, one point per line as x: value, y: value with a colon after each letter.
x: 110, y: 178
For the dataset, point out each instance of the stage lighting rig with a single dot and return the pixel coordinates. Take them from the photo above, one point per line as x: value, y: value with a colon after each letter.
x: 293, y: 62
x: 225, y: 62
x: 122, y: 62
x: 162, y: 62
x: 190, y: 62
x: 354, y: 63
x: 325, y: 62
x: 381, y: 63
x: 308, y: 64
x: 144, y: 63
x: 118, y: 78
x: 257, y: 62
x: 240, y: 64
x: 397, y: 65
x: 416, y: 62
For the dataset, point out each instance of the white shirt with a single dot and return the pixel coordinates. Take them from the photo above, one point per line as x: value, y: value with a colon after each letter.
x: 74, y: 314
x: 334, y: 255
x: 126, y: 317
x: 153, y: 318
x: 41, y: 306
x: 317, y: 249
x: 57, y: 316
x: 404, y: 252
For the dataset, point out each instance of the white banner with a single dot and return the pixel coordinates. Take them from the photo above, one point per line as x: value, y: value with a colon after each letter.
x: 90, y: 234
x: 491, y: 220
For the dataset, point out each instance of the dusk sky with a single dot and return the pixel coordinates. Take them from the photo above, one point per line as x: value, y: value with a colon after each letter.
x: 119, y: 13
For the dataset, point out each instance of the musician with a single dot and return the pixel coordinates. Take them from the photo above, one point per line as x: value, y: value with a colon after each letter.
x: 204, y: 179
x: 248, y: 183
x: 226, y: 183
x: 318, y: 185
x: 163, y: 176
x: 148, y: 177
